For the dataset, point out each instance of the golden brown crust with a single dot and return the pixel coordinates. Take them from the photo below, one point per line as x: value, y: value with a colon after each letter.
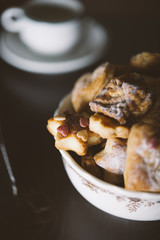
x: 123, y: 97
x: 89, y: 85
x: 107, y: 127
x: 72, y: 133
x: 79, y: 97
x: 119, y: 96
x: 146, y: 63
x: 142, y: 171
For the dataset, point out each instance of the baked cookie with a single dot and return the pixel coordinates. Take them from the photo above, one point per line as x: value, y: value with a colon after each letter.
x: 142, y: 170
x: 125, y: 96
x: 113, y: 157
x: 146, y: 63
x: 107, y: 127
x: 89, y: 85
x: 71, y: 132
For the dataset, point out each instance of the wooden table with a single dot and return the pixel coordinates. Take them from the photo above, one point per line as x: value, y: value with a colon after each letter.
x: 48, y: 206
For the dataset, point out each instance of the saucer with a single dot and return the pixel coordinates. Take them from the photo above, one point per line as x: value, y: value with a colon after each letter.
x: 89, y: 50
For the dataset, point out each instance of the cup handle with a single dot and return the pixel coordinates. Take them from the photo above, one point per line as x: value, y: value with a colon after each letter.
x: 12, y: 19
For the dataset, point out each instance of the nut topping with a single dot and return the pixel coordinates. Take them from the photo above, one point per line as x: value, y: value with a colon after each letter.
x: 123, y: 97
x: 84, y: 122
x: 60, y: 117
x: 63, y: 130
x: 83, y: 135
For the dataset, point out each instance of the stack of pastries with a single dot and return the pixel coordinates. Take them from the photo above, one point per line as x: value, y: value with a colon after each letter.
x: 114, y: 125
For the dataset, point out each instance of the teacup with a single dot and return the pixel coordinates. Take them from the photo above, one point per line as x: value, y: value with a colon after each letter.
x: 46, y: 26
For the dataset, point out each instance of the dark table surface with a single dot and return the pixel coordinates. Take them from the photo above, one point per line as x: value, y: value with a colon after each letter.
x: 48, y: 206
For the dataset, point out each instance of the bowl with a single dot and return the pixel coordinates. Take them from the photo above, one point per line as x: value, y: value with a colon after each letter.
x: 118, y: 201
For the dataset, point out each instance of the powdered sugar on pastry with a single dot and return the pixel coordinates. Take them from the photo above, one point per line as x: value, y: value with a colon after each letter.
x: 113, y: 157
x: 123, y: 97
x: 149, y: 153
x: 151, y: 159
x: 142, y: 170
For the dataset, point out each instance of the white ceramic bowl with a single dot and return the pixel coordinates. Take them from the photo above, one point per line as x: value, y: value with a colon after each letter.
x: 115, y: 200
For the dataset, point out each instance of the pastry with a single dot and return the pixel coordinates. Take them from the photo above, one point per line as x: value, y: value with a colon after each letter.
x: 114, y: 124
x: 142, y: 170
x: 125, y: 96
x: 71, y: 132
x: 146, y: 63
x: 89, y: 85
x: 107, y: 127
x: 112, y: 159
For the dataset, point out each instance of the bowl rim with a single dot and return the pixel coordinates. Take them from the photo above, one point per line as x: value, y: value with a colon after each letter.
x: 96, y: 181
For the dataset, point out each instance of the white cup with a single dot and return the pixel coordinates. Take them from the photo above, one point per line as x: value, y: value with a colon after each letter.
x: 49, y: 34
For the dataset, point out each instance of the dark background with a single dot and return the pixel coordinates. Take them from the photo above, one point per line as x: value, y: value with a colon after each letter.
x: 47, y: 206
